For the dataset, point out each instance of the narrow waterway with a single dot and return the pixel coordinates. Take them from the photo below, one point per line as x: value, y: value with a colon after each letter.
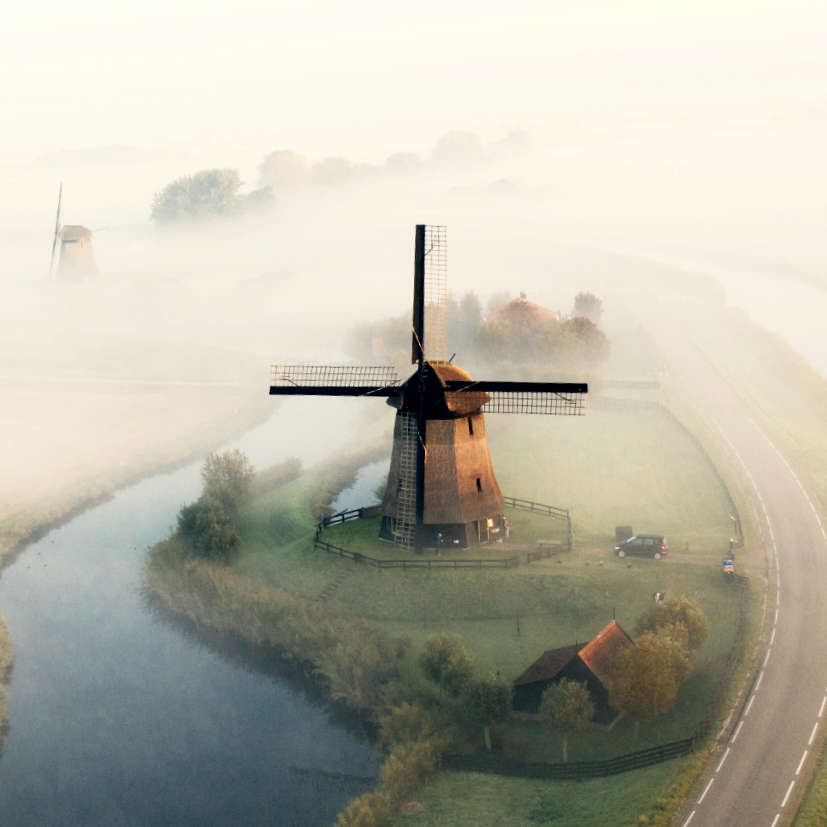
x: 118, y: 718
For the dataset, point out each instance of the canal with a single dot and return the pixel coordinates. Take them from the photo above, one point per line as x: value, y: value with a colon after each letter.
x: 119, y: 718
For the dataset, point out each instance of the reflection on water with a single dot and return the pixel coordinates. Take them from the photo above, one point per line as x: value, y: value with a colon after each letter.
x: 119, y: 718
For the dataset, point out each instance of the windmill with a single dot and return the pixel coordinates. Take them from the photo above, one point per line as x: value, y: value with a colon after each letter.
x: 441, y: 484
x: 76, y: 257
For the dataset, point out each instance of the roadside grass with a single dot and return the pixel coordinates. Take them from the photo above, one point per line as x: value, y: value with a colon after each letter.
x: 451, y: 799
x: 813, y: 809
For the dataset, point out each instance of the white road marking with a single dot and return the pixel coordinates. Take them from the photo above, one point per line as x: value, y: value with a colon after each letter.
x: 749, y: 706
x: 795, y: 477
x: 787, y: 795
x: 776, y: 614
x: 772, y: 636
x: 721, y: 763
x: 812, y: 734
x: 801, y: 762
x: 737, y: 731
x: 823, y: 702
x: 767, y: 656
x: 706, y: 790
x: 775, y: 820
x: 689, y: 818
x: 758, y: 682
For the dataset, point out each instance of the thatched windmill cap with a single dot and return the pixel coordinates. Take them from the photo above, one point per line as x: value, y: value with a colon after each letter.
x: 75, y: 232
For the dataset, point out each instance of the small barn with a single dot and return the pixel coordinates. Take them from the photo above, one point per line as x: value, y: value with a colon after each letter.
x: 590, y: 664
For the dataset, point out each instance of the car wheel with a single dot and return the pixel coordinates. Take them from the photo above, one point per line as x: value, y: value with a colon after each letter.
x: 657, y: 555
x: 621, y: 553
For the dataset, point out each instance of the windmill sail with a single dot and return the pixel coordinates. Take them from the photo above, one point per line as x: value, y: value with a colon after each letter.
x: 550, y: 398
x: 333, y: 380
x: 407, y: 437
x: 57, y: 228
x: 430, y: 308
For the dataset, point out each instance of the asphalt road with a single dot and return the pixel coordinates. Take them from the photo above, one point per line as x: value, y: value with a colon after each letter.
x: 760, y: 772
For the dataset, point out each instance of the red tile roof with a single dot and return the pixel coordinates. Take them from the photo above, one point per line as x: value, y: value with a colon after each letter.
x: 600, y: 652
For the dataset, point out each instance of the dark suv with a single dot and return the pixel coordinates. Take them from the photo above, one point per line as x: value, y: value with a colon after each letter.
x: 646, y: 545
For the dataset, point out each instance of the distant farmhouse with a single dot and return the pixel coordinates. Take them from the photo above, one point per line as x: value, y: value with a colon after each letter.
x: 590, y: 664
x: 522, y: 313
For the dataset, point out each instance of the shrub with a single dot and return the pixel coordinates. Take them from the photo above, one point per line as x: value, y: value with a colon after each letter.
x: 208, y: 532
x: 405, y: 767
x: 405, y: 724
x: 369, y: 810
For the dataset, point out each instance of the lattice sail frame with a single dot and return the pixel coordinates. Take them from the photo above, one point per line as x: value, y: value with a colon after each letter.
x: 406, y: 432
x: 332, y: 376
x: 436, y: 293
x: 523, y: 402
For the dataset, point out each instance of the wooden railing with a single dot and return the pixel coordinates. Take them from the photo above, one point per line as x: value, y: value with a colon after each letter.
x: 425, y: 563
x: 493, y: 763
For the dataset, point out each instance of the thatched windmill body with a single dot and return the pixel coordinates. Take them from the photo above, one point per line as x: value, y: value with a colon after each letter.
x: 441, y: 484
x: 76, y: 259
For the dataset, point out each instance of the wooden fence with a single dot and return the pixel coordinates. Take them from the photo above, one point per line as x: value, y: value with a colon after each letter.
x: 493, y: 763
x: 425, y: 563
x: 552, y: 511
x: 543, y: 550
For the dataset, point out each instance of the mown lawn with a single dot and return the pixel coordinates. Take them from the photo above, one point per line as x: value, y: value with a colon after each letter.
x: 454, y: 799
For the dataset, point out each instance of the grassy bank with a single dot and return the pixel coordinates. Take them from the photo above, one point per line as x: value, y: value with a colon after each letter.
x: 813, y: 810
x: 6, y: 656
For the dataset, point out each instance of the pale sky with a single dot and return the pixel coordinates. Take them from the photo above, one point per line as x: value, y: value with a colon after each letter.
x: 373, y: 77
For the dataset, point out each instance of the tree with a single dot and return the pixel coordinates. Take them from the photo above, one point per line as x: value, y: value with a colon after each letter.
x: 588, y: 306
x: 209, y: 192
x: 284, y: 171
x: 458, y: 148
x: 567, y: 707
x: 463, y: 318
x: 488, y: 702
x: 645, y: 677
x: 208, y: 532
x: 677, y: 610
x: 227, y: 479
x: 446, y: 663
x: 332, y: 172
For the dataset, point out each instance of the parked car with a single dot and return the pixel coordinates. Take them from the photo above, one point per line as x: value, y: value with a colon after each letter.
x: 645, y: 545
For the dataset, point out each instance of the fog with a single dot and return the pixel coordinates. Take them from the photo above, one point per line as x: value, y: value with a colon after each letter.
x: 626, y: 148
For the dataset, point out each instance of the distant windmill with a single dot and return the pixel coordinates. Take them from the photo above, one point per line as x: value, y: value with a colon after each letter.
x: 76, y: 256
x: 441, y: 484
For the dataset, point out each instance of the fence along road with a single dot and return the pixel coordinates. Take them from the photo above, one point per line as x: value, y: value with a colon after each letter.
x: 763, y: 767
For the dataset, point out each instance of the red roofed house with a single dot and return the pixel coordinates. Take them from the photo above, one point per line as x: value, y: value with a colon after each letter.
x: 590, y: 664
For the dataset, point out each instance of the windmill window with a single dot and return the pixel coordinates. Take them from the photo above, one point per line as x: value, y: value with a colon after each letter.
x: 479, y: 485
x: 470, y: 426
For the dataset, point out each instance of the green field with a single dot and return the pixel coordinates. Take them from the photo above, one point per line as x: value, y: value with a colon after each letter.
x: 458, y: 799
x: 632, y: 465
